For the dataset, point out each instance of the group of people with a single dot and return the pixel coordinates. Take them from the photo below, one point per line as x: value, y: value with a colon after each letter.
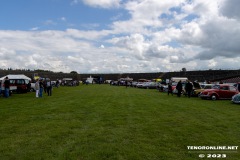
x: 179, y: 87
x: 43, y: 85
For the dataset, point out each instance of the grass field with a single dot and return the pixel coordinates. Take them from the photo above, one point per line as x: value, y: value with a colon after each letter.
x: 100, y: 122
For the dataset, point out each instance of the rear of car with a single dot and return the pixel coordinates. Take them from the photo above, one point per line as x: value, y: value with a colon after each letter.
x: 12, y: 88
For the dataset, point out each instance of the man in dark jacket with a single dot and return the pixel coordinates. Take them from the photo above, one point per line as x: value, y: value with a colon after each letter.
x: 189, y: 88
x: 170, y: 89
x: 6, y: 86
x: 179, y: 88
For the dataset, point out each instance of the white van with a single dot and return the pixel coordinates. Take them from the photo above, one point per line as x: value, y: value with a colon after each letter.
x: 177, y: 79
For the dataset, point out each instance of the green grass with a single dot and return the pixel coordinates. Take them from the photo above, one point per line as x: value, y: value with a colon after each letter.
x: 99, y: 122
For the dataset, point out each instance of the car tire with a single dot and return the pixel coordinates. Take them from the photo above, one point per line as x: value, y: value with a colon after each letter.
x: 198, y: 95
x: 214, y: 97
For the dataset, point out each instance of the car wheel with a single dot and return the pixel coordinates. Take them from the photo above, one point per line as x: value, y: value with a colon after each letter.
x: 198, y: 94
x: 214, y: 97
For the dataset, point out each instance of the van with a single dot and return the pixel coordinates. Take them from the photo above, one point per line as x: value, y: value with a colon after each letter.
x: 177, y: 79
x: 18, y: 83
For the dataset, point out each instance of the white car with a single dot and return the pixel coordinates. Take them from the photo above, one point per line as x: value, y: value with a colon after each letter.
x: 236, y: 98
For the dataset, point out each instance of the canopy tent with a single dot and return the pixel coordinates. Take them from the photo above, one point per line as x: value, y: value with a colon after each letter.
x: 15, y: 76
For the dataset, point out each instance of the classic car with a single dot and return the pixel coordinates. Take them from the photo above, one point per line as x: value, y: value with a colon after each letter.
x: 221, y: 91
x: 196, y: 92
x: 236, y: 98
x: 150, y: 85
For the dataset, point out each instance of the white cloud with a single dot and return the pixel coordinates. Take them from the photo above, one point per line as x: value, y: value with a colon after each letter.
x: 146, y: 42
x: 63, y: 18
x: 103, y: 3
x: 34, y: 29
x: 102, y: 46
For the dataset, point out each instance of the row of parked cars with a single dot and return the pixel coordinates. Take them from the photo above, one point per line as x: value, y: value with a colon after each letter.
x: 204, y: 91
x: 216, y: 91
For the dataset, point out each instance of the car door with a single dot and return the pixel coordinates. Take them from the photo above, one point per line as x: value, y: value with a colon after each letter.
x: 232, y: 91
x: 223, y: 92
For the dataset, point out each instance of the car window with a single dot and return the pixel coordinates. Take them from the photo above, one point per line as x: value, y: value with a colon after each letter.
x: 224, y: 88
x: 12, y: 81
x: 20, y: 81
x: 216, y: 87
x: 208, y: 87
x: 232, y: 88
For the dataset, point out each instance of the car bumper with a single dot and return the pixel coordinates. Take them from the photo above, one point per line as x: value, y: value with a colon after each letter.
x: 204, y: 96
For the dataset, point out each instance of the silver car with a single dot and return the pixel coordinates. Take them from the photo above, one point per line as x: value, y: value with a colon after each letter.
x: 236, y: 98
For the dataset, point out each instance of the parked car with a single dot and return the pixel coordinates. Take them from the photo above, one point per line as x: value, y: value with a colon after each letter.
x: 236, y: 98
x: 32, y: 89
x: 149, y: 85
x: 162, y: 88
x: 134, y: 84
x: 18, y: 83
x: 221, y: 91
x: 139, y: 84
x: 196, y: 92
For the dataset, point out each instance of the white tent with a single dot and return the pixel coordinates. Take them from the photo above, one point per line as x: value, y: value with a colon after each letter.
x: 90, y: 79
x: 15, y: 76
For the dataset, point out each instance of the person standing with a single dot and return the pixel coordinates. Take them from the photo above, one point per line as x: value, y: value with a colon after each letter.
x: 49, y: 87
x: 189, y: 88
x: 37, y: 88
x: 0, y: 88
x: 179, y: 88
x: 41, y: 88
x: 57, y: 83
x: 7, y: 86
x: 170, y: 89
x: 29, y: 86
x: 238, y: 86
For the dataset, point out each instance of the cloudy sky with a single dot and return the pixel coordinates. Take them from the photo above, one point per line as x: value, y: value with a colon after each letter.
x: 119, y: 36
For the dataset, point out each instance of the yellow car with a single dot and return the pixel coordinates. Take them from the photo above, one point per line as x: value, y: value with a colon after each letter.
x: 197, y: 92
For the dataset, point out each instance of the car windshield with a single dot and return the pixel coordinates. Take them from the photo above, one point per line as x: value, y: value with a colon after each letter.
x: 207, y: 87
x: 216, y: 87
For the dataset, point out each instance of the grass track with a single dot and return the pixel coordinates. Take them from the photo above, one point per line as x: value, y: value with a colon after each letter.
x: 108, y: 122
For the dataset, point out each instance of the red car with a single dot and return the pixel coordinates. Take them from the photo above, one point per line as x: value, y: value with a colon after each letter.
x: 221, y: 91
